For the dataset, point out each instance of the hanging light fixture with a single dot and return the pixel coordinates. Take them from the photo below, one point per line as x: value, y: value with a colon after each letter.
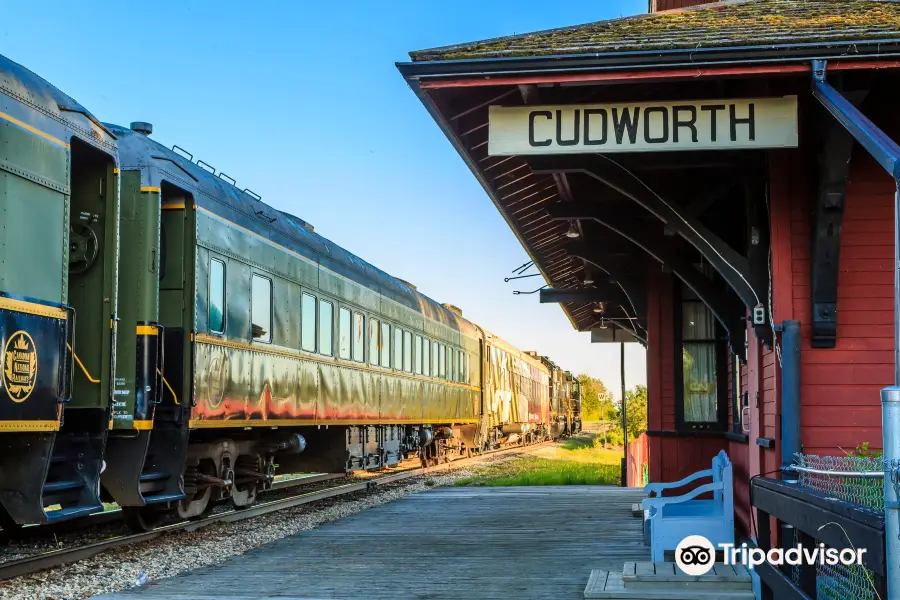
x: 588, y: 275
x: 602, y: 324
x: 573, y: 231
x: 598, y: 308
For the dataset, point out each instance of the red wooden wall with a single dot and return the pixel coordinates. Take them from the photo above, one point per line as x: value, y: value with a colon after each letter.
x: 660, y: 5
x: 840, y: 403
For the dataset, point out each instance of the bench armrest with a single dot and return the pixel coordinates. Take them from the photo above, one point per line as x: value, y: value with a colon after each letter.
x: 657, y: 488
x: 650, y: 503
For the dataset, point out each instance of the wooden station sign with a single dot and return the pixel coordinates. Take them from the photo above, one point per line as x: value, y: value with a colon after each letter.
x: 644, y: 126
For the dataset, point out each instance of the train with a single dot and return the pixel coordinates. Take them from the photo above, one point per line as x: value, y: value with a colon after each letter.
x: 170, y: 342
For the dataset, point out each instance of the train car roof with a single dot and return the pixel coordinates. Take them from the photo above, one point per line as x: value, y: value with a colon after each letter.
x: 222, y: 198
x: 29, y: 87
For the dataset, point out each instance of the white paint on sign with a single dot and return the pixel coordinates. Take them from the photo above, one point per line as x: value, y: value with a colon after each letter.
x: 644, y: 126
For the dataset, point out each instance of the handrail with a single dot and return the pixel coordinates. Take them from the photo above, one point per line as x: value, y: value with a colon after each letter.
x: 169, y: 387
x: 81, y: 364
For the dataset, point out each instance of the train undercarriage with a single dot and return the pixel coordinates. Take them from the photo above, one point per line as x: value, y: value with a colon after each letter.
x: 235, y: 468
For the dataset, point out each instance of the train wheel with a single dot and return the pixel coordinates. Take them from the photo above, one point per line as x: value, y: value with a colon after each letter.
x: 141, y: 518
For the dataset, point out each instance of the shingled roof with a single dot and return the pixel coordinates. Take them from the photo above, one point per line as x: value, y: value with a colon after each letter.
x: 723, y: 24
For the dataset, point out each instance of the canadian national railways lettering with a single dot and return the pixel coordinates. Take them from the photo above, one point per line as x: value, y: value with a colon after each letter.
x: 644, y: 127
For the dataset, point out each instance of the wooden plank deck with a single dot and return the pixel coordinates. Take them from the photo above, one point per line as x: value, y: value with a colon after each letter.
x: 483, y: 542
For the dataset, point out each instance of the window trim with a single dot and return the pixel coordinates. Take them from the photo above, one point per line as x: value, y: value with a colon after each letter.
x: 209, y: 328
x: 253, y: 339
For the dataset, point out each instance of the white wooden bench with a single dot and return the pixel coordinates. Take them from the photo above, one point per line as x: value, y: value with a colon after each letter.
x: 673, y: 518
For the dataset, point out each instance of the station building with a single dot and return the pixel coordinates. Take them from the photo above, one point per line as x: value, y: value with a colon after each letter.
x: 716, y: 182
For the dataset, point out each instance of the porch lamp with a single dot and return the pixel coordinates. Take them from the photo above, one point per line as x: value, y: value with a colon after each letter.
x: 572, y: 233
x: 588, y: 276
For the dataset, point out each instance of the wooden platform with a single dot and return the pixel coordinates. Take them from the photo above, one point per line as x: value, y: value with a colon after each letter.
x: 503, y: 542
x: 665, y: 581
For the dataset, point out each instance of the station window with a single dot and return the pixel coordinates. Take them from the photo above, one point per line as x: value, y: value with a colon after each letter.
x: 385, y: 345
x: 435, y: 355
x: 426, y: 358
x: 418, y: 356
x: 398, y: 348
x: 442, y: 363
x: 374, y: 346
x: 216, y: 296
x: 407, y: 352
x: 326, y: 327
x: 261, y: 308
x: 702, y: 358
x: 308, y: 322
x: 359, y: 335
x: 344, y: 327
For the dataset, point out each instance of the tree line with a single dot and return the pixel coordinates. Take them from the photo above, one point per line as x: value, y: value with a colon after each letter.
x: 598, y: 404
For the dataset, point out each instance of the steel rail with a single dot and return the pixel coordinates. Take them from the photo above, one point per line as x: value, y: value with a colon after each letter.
x: 56, y: 558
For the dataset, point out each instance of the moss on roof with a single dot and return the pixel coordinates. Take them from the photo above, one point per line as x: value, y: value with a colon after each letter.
x: 730, y: 23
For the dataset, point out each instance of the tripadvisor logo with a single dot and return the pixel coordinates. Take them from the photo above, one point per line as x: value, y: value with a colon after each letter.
x: 696, y: 555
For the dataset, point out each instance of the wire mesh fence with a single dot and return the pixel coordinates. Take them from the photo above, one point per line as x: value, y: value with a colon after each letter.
x: 856, y: 479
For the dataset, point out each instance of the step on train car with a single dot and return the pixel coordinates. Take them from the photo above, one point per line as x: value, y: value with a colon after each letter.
x: 58, y: 248
x: 218, y: 341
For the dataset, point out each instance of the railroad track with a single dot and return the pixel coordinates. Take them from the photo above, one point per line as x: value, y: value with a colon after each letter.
x: 56, y: 558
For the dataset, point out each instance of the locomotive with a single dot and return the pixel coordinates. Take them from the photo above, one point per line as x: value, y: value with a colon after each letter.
x: 218, y: 341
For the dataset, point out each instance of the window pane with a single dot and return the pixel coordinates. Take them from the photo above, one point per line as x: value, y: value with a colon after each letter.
x: 699, y: 363
x: 261, y: 309
x: 344, y: 333
x: 426, y: 358
x: 407, y: 351
x: 398, y: 348
x: 442, y: 364
x: 418, y: 355
x: 385, y: 345
x: 468, y: 373
x: 374, y: 346
x: 359, y: 335
x: 308, y: 322
x: 697, y: 322
x: 216, y: 296
x: 326, y: 324
x: 435, y: 355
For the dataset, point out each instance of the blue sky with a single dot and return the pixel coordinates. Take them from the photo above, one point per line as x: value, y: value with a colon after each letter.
x: 300, y: 101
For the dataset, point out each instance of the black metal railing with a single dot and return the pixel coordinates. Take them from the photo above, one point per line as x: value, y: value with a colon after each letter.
x: 810, y: 518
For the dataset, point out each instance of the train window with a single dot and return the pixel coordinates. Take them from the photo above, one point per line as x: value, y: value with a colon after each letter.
x: 398, y: 348
x: 468, y: 373
x: 454, y: 363
x: 442, y: 363
x: 459, y: 367
x: 426, y: 358
x: 326, y: 326
x: 418, y: 356
x: 216, y: 296
x: 385, y: 345
x: 359, y: 334
x: 435, y: 354
x: 344, y: 326
x: 407, y: 352
x: 373, y: 341
x: 261, y: 308
x: 308, y: 322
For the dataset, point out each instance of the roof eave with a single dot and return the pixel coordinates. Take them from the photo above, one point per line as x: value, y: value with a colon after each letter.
x: 676, y: 57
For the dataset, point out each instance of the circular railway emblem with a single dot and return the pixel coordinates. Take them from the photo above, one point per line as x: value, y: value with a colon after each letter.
x: 20, y: 366
x: 218, y: 377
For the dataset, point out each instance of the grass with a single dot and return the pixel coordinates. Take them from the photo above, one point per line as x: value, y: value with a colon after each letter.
x: 575, y: 461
